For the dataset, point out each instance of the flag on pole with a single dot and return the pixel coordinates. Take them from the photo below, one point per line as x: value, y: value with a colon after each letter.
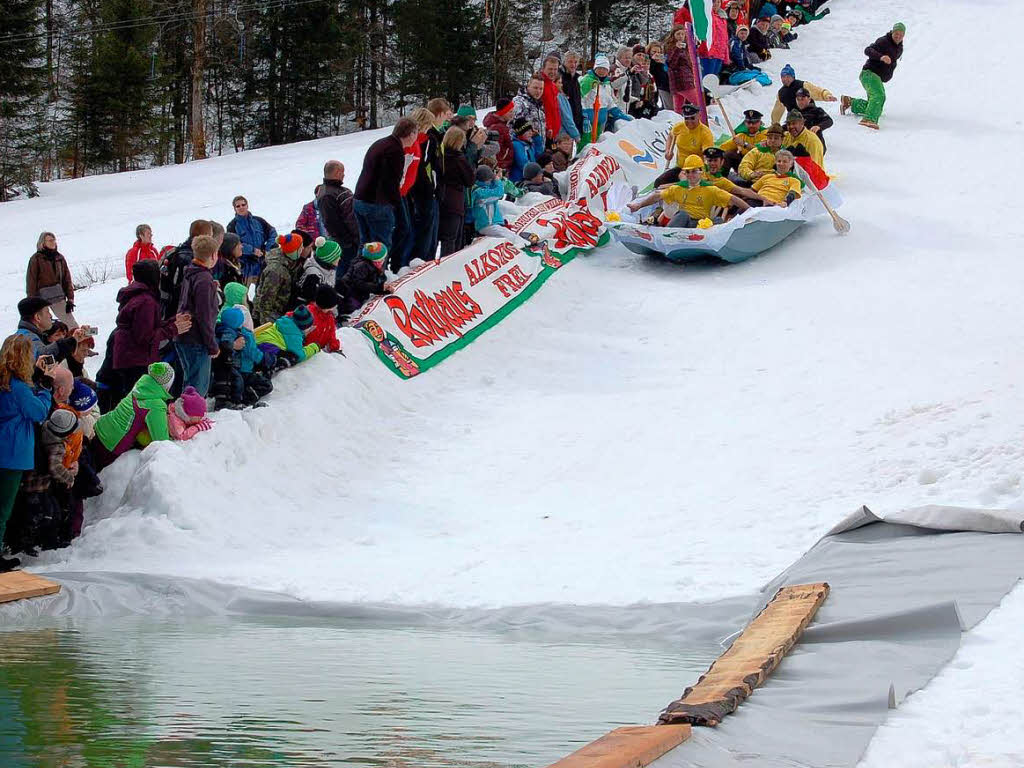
x: 701, y: 10
x: 811, y: 171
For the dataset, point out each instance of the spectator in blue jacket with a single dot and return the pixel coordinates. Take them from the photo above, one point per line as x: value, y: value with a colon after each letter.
x: 740, y: 68
x: 23, y: 404
x: 565, y: 109
x: 257, y: 238
x: 522, y: 148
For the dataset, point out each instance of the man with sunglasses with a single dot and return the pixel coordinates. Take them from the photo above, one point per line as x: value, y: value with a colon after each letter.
x: 257, y: 238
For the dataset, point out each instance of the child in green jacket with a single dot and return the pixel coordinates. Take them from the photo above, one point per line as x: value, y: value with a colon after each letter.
x: 144, y: 408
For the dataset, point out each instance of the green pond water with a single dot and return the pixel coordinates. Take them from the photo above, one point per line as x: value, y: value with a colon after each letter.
x: 256, y: 692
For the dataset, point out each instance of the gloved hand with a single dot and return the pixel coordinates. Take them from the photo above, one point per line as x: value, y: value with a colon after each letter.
x: 69, y: 307
x: 204, y: 425
x: 826, y: 12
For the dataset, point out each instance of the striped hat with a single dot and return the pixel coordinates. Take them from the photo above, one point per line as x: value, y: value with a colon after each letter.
x: 375, y: 252
x: 162, y: 374
x: 327, y: 251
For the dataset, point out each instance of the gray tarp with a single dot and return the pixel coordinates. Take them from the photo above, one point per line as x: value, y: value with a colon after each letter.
x: 900, y: 596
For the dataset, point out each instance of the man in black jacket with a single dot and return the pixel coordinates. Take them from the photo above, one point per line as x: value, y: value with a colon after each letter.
x: 882, y: 57
x: 571, y: 86
x: 816, y: 119
x: 338, y: 213
x: 378, y: 191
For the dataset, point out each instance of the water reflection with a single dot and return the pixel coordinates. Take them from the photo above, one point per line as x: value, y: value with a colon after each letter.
x: 139, y: 693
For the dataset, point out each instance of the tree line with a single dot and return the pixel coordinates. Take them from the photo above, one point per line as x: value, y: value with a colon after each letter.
x: 97, y: 86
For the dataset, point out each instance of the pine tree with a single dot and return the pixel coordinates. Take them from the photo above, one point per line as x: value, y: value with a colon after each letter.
x: 22, y: 85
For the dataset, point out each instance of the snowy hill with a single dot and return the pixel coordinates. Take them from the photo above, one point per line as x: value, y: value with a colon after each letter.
x: 637, y: 431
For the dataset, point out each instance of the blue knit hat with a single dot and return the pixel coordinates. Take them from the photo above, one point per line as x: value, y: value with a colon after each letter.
x: 788, y: 70
x: 82, y: 397
x: 303, y: 317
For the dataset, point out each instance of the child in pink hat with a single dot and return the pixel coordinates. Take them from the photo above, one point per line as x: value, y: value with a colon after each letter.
x: 186, y: 416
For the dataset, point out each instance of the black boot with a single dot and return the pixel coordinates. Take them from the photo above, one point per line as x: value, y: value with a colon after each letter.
x: 9, y: 564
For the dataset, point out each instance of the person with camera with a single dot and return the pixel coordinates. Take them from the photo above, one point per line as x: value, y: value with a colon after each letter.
x: 49, y: 278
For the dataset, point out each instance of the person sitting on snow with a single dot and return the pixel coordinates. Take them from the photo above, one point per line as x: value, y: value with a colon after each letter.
x: 320, y: 268
x: 757, y: 41
x: 693, y: 198
x: 522, y: 147
x: 534, y: 180
x: 800, y: 139
x: 598, y: 101
x: 782, y: 186
x: 740, y: 68
x: 364, y: 278
x: 761, y: 159
x: 288, y: 335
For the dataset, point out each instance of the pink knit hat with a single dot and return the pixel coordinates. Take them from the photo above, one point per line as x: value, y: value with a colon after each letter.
x: 191, y: 406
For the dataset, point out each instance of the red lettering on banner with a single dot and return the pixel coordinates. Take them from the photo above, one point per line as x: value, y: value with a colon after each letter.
x: 512, y: 281
x: 602, y: 174
x: 432, y: 317
x: 579, y: 228
x: 490, y: 262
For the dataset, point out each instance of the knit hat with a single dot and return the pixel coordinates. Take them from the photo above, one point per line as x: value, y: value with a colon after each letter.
x: 601, y: 61
x: 63, y: 422
x: 327, y: 251
x: 191, y: 406
x: 466, y: 110
x: 530, y: 171
x: 693, y: 162
x: 303, y: 317
x: 484, y: 175
x: 521, y: 125
x: 794, y: 114
x: 162, y: 374
x: 788, y: 70
x: 787, y: 26
x: 504, y: 106
x: 326, y: 297
x: 232, y: 317
x: 82, y: 397
x: 235, y: 293
x: 291, y: 245
x: 375, y: 252
x: 307, y: 239
x: 899, y: 26
x: 776, y: 129
x: 776, y: 17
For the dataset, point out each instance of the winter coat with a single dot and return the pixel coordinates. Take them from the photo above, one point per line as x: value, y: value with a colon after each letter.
x: 314, y: 274
x: 49, y: 277
x: 719, y: 40
x: 286, y: 336
x: 690, y: 141
x: 786, y: 99
x: 140, y: 251
x: 645, y: 95
x: 485, y: 199
x: 381, y: 177
x: 532, y: 110
x: 809, y: 142
x: 594, y: 88
x: 144, y: 408
x: 621, y: 86
x: 883, y: 46
x: 21, y: 408
x: 523, y: 153
x: 325, y: 329
x: 740, y: 57
x: 552, y: 113
x: 815, y: 116
x: 504, y: 157
x: 61, y: 350
x: 425, y: 187
x: 571, y: 90
x: 274, y: 293
x: 545, y: 187
x: 254, y: 232
x: 61, y: 453
x: 807, y: 16
x: 568, y: 122
x: 139, y: 328
x: 775, y: 40
x: 413, y: 157
x: 362, y: 280
x: 199, y: 299
x: 309, y: 220
x: 455, y: 177
x: 757, y: 44
x: 338, y: 215
x: 760, y: 158
x: 680, y: 70
x: 659, y: 71
x: 179, y: 430
x: 229, y: 330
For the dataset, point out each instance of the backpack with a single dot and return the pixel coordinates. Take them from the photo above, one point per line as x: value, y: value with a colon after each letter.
x: 172, y: 271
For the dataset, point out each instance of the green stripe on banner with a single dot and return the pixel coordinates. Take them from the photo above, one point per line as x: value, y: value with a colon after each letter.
x: 701, y: 11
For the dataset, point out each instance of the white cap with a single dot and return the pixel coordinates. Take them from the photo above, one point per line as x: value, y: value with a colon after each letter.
x: 601, y: 61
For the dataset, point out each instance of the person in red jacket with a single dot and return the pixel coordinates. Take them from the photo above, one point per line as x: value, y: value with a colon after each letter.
x: 142, y: 250
x: 552, y: 113
x: 498, y: 121
x: 324, y: 310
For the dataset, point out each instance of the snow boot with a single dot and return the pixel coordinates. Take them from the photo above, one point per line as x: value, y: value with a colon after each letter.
x: 8, y: 564
x: 869, y: 124
x: 845, y: 102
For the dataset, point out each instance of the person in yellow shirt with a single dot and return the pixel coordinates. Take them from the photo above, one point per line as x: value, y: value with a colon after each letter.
x: 690, y: 137
x: 714, y: 174
x: 748, y: 136
x: 782, y: 186
x: 799, y: 136
x: 761, y: 159
x: 693, y: 198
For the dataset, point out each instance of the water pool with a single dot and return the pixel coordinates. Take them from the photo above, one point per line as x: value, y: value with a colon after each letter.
x: 137, y: 691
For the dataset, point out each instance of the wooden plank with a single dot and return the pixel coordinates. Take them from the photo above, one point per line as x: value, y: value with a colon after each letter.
x: 753, y: 656
x: 632, y: 746
x: 20, y: 585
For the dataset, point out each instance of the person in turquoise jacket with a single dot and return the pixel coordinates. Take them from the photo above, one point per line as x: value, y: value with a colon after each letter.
x: 487, y: 191
x: 287, y: 333
x: 22, y: 406
x: 144, y: 409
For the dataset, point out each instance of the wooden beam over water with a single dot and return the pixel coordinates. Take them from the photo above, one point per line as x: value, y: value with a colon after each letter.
x: 21, y: 585
x: 632, y: 746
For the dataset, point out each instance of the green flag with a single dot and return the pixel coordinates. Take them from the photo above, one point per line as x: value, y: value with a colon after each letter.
x: 701, y: 11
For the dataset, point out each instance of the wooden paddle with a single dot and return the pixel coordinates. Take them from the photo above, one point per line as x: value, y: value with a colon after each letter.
x: 842, y: 226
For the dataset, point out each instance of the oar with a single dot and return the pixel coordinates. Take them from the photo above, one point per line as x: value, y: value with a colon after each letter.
x: 710, y: 83
x: 842, y: 226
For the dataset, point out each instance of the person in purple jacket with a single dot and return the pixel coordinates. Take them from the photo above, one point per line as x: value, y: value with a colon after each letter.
x: 197, y: 346
x: 140, y: 330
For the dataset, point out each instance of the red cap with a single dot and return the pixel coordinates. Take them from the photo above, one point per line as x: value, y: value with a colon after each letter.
x: 290, y: 243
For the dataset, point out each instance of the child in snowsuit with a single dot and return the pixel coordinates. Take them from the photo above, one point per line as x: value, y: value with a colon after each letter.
x: 83, y: 403
x: 61, y: 438
x: 365, y: 278
x: 228, y: 385
x: 145, y: 408
x: 286, y: 337
x: 186, y: 416
x: 324, y: 310
x: 320, y: 268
